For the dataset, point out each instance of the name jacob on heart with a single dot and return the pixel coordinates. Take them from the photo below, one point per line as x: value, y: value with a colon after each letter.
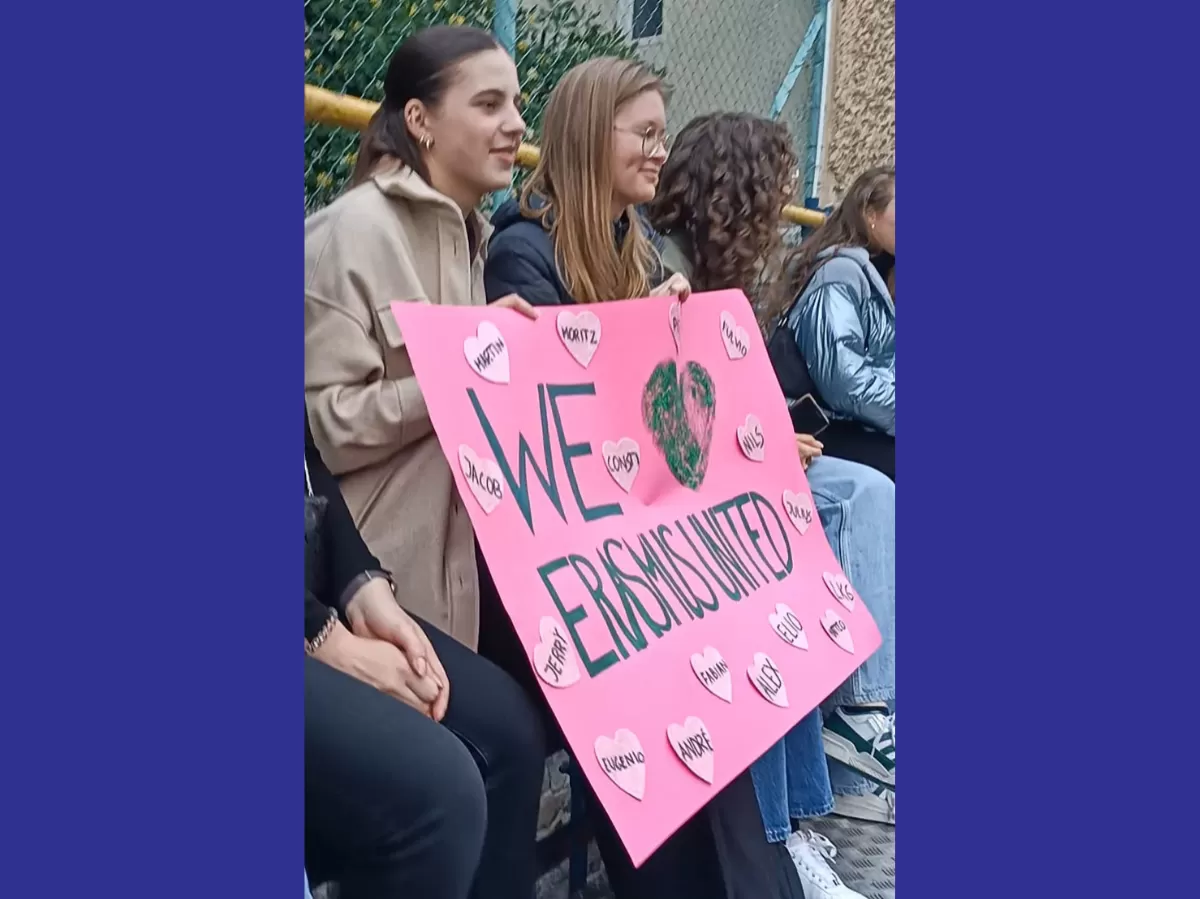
x: 489, y: 485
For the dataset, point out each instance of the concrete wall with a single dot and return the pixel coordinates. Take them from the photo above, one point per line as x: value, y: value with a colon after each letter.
x: 860, y: 112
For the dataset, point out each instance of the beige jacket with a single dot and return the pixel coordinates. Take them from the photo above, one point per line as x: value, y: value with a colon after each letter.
x: 392, y: 238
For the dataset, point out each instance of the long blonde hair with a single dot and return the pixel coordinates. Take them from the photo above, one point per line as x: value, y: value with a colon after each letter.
x: 573, y: 179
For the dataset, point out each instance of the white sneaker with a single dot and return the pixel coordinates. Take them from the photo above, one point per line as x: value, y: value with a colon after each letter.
x: 811, y: 854
x: 879, y: 805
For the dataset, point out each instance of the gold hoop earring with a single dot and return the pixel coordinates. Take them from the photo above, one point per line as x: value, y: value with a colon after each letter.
x: 427, y: 142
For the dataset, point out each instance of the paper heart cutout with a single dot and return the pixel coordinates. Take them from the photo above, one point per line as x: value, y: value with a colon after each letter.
x: 487, y: 353
x: 679, y: 408
x: 623, y: 460
x: 768, y: 680
x: 713, y: 672
x: 580, y: 333
x: 735, y: 337
x: 622, y: 759
x: 750, y: 438
x: 483, y: 477
x: 799, y: 509
x: 840, y: 588
x: 553, y: 657
x: 674, y: 316
x: 785, y: 623
x: 838, y: 630
x: 693, y: 745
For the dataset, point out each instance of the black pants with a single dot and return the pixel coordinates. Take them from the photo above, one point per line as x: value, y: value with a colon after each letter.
x: 849, y: 440
x: 720, y: 853
x: 396, y: 805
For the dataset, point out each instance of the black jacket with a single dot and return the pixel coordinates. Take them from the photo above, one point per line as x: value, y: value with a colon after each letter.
x: 344, y: 555
x: 520, y: 259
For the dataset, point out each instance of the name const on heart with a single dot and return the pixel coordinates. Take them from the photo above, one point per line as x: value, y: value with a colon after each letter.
x: 574, y: 334
x: 620, y: 762
x: 489, y: 353
x: 490, y: 485
x: 623, y: 462
x: 557, y: 657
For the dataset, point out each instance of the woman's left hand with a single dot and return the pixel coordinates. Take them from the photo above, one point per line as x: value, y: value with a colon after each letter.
x: 675, y: 286
x: 809, y: 448
x: 374, y: 612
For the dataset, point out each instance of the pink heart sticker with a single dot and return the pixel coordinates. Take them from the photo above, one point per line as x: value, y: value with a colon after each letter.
x: 750, y: 439
x: 483, y: 477
x: 580, y: 333
x: 785, y: 623
x: 487, y: 353
x: 799, y: 509
x: 622, y: 759
x: 737, y: 340
x: 713, y: 672
x: 553, y: 657
x: 623, y: 460
x: 838, y: 630
x: 768, y: 680
x: 674, y: 316
x: 693, y: 745
x: 841, y: 589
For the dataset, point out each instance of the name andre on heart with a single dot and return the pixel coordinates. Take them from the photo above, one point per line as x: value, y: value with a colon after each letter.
x: 641, y: 584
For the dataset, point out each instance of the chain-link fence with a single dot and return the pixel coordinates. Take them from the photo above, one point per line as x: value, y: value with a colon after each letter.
x: 758, y: 56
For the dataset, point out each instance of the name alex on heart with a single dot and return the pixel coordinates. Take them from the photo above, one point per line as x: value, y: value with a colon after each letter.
x: 641, y: 583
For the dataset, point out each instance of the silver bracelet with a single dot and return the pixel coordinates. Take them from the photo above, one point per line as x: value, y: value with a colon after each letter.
x: 311, y: 646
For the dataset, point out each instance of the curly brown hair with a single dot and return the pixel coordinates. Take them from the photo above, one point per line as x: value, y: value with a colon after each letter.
x: 723, y: 188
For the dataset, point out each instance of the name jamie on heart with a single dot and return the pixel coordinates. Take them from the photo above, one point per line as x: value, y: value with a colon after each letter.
x: 642, y: 584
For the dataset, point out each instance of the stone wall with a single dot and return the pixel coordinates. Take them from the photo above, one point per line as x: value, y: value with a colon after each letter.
x: 860, y: 112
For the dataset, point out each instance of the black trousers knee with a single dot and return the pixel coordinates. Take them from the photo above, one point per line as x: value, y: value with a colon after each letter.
x: 398, y: 805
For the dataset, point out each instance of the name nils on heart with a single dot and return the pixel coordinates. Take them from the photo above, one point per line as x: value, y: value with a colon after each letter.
x: 645, y: 583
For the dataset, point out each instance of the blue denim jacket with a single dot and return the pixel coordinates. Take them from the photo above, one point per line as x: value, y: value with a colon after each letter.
x: 845, y: 327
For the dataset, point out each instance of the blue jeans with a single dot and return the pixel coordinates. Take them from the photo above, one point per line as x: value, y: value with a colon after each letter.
x: 857, y: 507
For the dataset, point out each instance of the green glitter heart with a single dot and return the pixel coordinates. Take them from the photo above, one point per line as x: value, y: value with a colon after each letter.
x: 679, y: 410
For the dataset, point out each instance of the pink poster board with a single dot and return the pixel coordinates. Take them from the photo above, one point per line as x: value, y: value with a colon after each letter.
x: 633, y: 481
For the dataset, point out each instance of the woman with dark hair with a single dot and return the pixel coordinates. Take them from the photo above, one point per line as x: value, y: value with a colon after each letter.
x: 446, y: 134
x: 832, y: 312
x: 406, y: 793
x: 721, y: 193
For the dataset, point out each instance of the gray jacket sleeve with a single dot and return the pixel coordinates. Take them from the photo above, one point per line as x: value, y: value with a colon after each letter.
x: 830, y: 337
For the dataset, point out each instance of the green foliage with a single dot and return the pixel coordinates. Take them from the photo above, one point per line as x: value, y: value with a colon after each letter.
x: 348, y: 43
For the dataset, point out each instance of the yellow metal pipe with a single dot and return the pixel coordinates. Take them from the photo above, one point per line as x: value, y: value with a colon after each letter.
x: 324, y: 107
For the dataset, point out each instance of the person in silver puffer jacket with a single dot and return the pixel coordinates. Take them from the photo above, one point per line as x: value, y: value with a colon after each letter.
x: 843, y: 317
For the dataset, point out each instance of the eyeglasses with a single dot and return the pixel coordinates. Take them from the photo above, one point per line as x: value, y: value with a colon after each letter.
x: 652, y: 140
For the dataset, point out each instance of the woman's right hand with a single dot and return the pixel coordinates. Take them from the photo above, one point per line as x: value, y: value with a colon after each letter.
x: 379, y: 664
x: 512, y: 301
